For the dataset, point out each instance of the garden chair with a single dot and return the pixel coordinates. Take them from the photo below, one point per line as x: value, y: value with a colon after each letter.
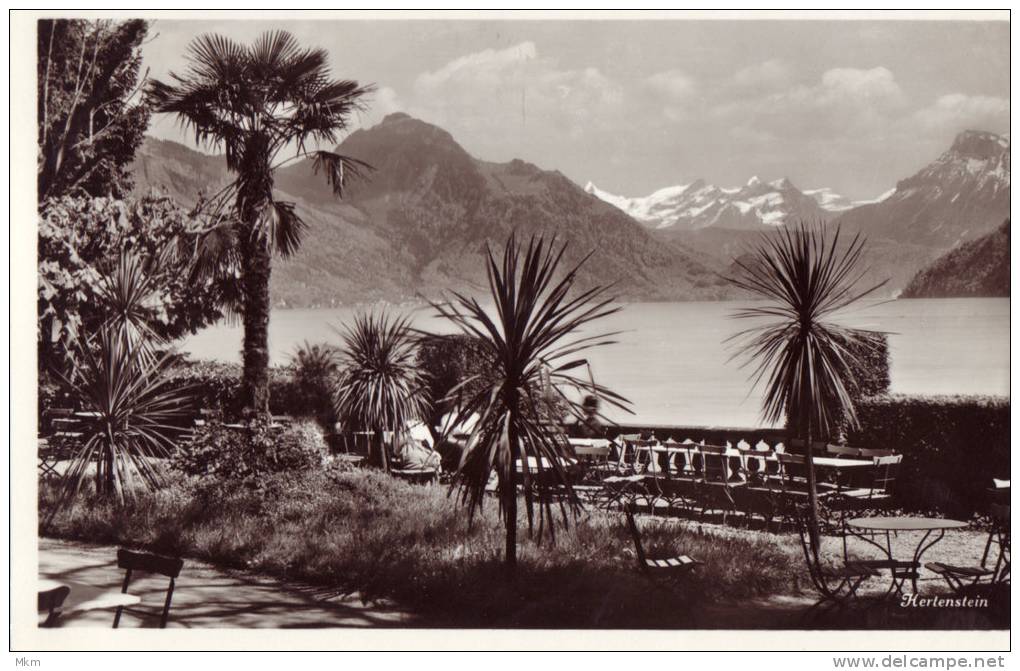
x: 50, y: 602
x: 999, y: 491
x: 836, y: 583
x: 716, y: 487
x: 133, y: 562
x: 757, y: 496
x: 879, y: 494
x: 672, y: 566
x: 963, y: 579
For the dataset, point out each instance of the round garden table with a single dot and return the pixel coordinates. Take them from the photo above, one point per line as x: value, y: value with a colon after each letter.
x: 900, y: 570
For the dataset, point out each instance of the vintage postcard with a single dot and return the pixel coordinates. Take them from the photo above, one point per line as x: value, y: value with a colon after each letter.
x: 569, y: 330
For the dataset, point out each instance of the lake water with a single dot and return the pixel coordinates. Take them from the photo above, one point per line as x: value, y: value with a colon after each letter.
x: 673, y: 364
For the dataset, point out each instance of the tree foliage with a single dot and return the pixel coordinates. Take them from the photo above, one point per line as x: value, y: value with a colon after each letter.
x: 533, y: 337
x: 91, y: 115
x: 805, y: 358
x: 381, y: 388
x: 81, y: 240
x: 254, y: 102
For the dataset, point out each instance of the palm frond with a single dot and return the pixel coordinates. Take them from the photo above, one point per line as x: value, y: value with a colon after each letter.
x: 340, y: 170
x: 530, y: 338
x: 805, y: 362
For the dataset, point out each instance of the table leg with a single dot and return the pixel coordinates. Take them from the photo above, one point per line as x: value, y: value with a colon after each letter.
x: 921, y: 549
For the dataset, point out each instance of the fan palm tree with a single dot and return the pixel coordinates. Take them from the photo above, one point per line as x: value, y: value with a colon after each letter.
x: 807, y: 362
x: 380, y: 388
x: 255, y: 102
x: 533, y: 337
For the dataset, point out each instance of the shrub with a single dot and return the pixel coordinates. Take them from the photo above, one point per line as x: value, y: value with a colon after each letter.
x: 217, y: 386
x: 246, y: 455
x: 870, y: 377
x: 952, y: 445
x: 315, y: 372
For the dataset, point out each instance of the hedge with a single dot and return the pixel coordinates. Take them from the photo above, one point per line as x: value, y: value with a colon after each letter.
x: 952, y: 445
x: 217, y: 386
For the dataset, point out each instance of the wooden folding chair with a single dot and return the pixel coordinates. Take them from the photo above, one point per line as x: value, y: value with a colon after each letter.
x: 716, y: 486
x: 966, y: 578
x: 835, y: 583
x: 879, y: 494
x: 50, y: 602
x: 671, y: 566
x: 147, y: 563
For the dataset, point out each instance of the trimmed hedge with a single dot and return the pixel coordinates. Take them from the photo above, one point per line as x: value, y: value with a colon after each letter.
x: 217, y: 386
x: 952, y: 447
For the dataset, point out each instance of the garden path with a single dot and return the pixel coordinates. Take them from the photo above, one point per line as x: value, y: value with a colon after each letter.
x: 210, y: 596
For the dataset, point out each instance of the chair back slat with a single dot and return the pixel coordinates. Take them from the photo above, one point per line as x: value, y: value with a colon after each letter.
x: 138, y: 561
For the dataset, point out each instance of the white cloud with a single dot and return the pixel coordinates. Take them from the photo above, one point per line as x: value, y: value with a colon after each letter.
x: 955, y: 112
x: 496, y: 91
x: 672, y: 84
x: 766, y: 75
x: 484, y: 65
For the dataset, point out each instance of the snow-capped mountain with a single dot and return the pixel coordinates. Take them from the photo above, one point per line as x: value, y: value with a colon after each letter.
x: 961, y: 195
x: 700, y: 205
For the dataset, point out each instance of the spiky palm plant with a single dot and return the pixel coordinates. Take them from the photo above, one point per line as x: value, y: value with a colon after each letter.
x: 381, y: 387
x: 533, y: 335
x: 255, y: 102
x: 806, y: 274
x: 130, y: 414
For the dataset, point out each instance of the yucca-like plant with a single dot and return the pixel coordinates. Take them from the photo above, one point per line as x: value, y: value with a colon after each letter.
x: 380, y: 388
x: 532, y: 334
x: 316, y: 368
x: 806, y: 274
x: 131, y: 415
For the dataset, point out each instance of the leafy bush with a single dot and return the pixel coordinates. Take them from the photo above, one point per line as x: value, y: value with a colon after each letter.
x: 361, y: 530
x: 870, y: 374
x: 80, y: 240
x: 952, y: 445
x: 246, y: 455
x: 217, y: 386
x: 316, y: 369
x: 448, y: 361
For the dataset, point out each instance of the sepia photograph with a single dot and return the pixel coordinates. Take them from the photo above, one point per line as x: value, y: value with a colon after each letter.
x: 407, y: 322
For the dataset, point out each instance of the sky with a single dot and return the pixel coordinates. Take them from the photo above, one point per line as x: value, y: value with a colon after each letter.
x: 635, y: 106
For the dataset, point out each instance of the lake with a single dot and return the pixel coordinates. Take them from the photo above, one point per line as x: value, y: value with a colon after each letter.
x: 673, y: 364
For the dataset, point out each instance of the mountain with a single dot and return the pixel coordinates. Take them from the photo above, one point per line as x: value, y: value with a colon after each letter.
x: 977, y: 268
x: 698, y: 205
x: 962, y: 195
x: 420, y: 224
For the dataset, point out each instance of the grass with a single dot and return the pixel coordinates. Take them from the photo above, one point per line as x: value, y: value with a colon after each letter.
x: 363, y: 531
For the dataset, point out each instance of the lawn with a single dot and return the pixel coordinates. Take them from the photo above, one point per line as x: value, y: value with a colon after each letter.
x: 363, y: 531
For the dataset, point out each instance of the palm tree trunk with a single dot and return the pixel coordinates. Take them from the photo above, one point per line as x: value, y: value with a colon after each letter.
x: 809, y: 462
x: 256, y: 267
x: 509, y: 490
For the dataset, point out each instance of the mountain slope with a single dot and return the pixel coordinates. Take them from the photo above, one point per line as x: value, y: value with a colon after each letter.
x: 960, y: 196
x: 977, y: 268
x: 420, y: 224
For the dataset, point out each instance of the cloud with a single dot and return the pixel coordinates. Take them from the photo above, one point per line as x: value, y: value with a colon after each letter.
x: 766, y: 75
x: 497, y: 91
x: 482, y: 66
x: 672, y: 84
x: 955, y: 112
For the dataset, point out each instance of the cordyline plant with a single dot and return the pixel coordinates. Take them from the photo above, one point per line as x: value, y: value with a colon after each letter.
x: 380, y: 388
x: 806, y: 274
x: 532, y: 334
x: 129, y: 412
x: 255, y: 102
